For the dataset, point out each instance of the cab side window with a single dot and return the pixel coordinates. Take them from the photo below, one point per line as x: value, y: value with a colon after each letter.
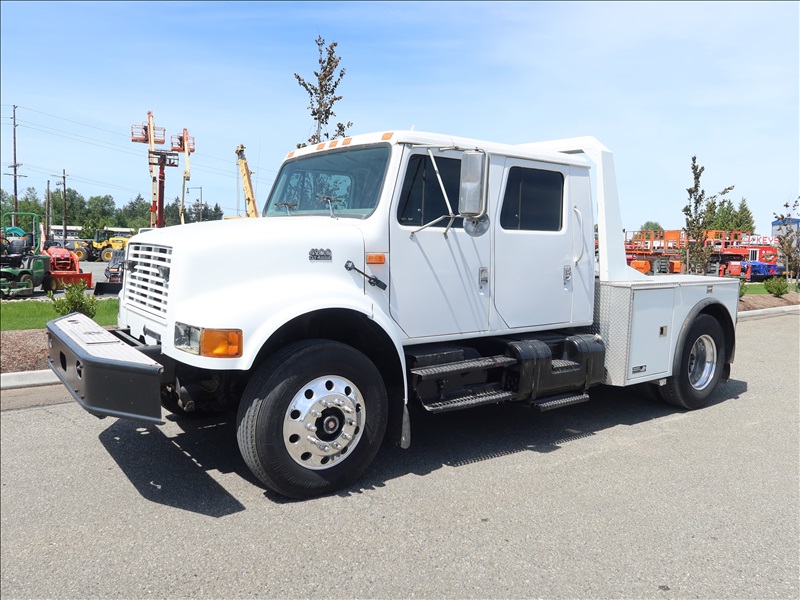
x: 421, y: 199
x: 533, y: 200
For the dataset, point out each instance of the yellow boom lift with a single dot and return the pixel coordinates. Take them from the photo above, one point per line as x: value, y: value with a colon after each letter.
x: 247, y: 184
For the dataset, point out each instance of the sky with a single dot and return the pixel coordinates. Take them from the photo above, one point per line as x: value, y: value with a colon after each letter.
x: 657, y: 83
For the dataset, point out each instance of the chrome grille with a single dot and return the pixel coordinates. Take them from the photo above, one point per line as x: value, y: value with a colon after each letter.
x: 147, y: 277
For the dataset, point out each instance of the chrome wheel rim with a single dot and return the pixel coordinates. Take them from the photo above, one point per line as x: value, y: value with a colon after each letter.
x: 702, y: 362
x: 324, y: 422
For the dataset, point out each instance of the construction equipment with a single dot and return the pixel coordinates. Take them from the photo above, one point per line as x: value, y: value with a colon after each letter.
x: 184, y: 143
x: 103, y: 244
x: 26, y: 263
x: 247, y: 184
x: 115, y: 271
x: 65, y: 269
x: 664, y: 251
x: 22, y: 266
x: 157, y: 160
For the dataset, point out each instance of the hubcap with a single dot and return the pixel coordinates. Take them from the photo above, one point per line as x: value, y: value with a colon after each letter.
x: 702, y: 362
x: 323, y: 422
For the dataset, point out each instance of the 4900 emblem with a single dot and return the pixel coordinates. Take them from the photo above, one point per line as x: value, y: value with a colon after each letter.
x: 320, y: 254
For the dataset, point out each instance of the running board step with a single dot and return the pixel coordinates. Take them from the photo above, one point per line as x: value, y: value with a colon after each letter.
x: 463, y: 366
x: 560, y: 366
x: 544, y: 404
x: 469, y: 399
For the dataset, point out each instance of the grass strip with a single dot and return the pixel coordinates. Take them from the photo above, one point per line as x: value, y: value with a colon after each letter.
x: 34, y: 314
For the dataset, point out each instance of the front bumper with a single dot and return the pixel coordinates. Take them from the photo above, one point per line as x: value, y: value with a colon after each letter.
x: 107, y: 376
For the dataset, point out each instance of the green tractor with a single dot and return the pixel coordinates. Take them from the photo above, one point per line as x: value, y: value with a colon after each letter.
x: 23, y: 266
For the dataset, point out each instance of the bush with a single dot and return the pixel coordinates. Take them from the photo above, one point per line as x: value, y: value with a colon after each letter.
x: 742, y: 288
x: 777, y: 286
x: 75, y: 300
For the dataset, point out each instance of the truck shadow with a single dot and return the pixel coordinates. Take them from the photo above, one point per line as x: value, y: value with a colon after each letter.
x: 175, y: 470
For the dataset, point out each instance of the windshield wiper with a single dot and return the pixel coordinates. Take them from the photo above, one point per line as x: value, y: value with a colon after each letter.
x: 330, y: 200
x: 287, y: 205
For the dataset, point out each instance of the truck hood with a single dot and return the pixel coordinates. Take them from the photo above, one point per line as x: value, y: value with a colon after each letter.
x: 250, y: 259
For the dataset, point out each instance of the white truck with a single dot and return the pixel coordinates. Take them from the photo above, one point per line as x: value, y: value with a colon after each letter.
x: 393, y: 269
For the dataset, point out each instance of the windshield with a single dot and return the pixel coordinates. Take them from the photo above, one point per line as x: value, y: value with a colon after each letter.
x: 345, y: 183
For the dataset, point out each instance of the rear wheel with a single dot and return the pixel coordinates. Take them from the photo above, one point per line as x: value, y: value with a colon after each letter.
x: 107, y: 254
x: 27, y: 279
x: 701, y: 361
x: 312, y: 418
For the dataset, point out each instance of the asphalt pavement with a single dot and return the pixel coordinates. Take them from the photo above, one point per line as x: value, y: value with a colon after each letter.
x: 619, y: 497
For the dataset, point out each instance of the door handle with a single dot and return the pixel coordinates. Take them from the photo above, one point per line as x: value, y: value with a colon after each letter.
x: 580, y: 232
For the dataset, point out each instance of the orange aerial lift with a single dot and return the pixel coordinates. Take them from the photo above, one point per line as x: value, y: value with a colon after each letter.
x: 157, y: 160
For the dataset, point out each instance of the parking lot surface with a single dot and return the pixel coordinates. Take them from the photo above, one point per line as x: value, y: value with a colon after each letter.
x: 620, y: 497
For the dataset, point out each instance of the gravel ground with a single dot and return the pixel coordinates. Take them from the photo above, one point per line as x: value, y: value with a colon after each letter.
x: 27, y: 350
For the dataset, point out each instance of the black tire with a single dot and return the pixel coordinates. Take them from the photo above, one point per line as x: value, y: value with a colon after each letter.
x: 26, y: 278
x: 80, y: 253
x: 49, y: 284
x: 106, y: 254
x: 298, y: 411
x: 701, y: 363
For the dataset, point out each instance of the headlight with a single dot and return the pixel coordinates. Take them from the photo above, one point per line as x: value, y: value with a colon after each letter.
x: 216, y: 343
x: 187, y: 338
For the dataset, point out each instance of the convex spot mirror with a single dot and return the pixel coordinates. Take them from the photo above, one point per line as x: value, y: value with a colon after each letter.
x: 471, y: 198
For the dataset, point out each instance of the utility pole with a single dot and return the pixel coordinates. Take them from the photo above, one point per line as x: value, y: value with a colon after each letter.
x: 47, y: 210
x: 63, y: 185
x: 16, y: 165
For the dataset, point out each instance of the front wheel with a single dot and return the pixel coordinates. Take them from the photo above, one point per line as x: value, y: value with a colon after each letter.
x: 701, y: 362
x: 312, y: 418
x: 49, y: 284
x: 107, y: 254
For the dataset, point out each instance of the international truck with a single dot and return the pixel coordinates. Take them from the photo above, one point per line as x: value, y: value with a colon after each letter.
x: 393, y: 270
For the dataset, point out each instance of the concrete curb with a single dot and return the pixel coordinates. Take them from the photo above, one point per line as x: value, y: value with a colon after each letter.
x: 13, y: 381
x: 768, y: 312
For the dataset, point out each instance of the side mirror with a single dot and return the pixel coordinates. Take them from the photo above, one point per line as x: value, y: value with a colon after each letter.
x: 471, y: 197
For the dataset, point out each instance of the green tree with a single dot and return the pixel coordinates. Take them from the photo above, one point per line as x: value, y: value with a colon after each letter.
x: 788, y: 235
x: 725, y: 217
x: 76, y: 207
x: 6, y: 202
x: 216, y: 214
x: 135, y: 214
x: 322, y: 94
x: 651, y: 226
x: 102, y: 209
x: 699, y: 213
x: 172, y: 213
x: 29, y: 202
x: 744, y: 220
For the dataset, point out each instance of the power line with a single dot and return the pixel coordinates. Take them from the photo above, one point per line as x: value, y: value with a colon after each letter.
x: 227, y: 160
x: 106, y: 145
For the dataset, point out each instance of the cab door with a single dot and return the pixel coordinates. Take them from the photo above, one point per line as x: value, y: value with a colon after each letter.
x: 533, y: 261
x: 439, y: 275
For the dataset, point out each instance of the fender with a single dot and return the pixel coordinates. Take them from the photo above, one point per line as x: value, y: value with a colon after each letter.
x: 717, y: 310
x: 342, y: 291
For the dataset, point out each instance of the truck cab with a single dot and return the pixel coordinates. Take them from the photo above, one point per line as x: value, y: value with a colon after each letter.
x: 392, y: 269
